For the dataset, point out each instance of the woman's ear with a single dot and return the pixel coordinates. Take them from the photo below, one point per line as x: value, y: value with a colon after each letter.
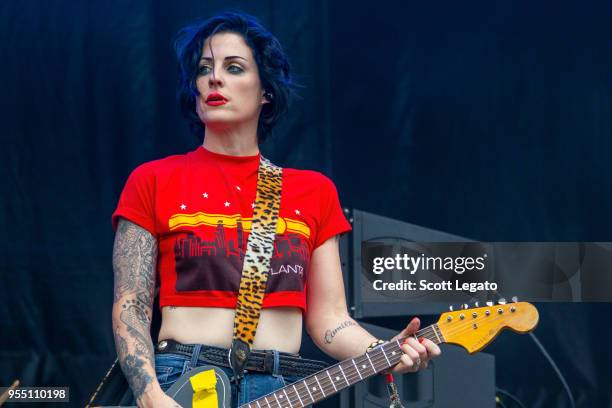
x: 267, y: 97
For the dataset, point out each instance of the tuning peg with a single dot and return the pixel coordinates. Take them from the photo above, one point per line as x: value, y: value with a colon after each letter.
x: 476, y: 304
x: 502, y: 301
x: 451, y: 308
x: 514, y: 299
x: 489, y: 303
x: 465, y: 306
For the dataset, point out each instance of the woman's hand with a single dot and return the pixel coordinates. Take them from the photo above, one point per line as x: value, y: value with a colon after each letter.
x: 416, y: 355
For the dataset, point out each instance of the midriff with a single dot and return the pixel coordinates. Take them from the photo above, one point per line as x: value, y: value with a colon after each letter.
x: 280, y: 328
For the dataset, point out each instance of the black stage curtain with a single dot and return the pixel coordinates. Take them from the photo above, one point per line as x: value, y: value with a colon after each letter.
x: 490, y: 120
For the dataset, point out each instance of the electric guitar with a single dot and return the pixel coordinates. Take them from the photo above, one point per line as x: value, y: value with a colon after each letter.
x: 472, y: 329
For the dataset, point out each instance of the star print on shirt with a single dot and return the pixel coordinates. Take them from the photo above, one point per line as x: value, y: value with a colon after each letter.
x: 183, y: 207
x: 205, y: 195
x: 297, y: 212
x: 252, y: 205
x: 227, y: 204
x: 238, y: 188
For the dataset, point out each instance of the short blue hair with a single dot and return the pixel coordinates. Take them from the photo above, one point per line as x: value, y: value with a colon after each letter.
x: 272, y: 63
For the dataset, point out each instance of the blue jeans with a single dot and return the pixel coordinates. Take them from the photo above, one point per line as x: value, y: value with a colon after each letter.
x: 169, y: 367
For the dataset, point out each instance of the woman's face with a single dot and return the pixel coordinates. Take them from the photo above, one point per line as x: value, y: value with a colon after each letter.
x: 228, y: 82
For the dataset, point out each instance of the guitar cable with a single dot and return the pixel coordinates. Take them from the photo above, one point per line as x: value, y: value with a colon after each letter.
x: 552, y: 363
x: 499, y: 402
x: 507, y: 394
x: 554, y: 366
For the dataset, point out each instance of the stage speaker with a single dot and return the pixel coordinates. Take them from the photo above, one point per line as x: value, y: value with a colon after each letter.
x: 371, y: 230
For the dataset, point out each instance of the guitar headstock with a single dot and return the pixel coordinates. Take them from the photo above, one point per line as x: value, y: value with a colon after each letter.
x: 475, y: 328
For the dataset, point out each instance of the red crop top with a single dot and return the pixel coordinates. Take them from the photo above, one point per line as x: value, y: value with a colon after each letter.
x: 199, y: 207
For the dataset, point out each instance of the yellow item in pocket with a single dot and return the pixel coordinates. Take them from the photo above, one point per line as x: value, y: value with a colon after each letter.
x: 204, y: 386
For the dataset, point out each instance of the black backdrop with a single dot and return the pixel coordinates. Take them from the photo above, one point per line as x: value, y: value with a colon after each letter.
x: 490, y: 120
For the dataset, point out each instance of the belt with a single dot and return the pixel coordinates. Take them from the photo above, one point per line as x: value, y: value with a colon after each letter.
x: 259, y: 360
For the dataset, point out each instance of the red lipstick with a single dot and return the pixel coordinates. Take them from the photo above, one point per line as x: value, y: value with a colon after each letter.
x: 215, y: 99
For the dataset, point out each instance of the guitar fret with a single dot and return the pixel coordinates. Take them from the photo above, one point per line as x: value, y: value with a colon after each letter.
x: 321, y: 388
x: 267, y: 402
x: 308, y: 389
x: 332, y: 381
x: 288, y: 399
x: 298, y: 395
x: 357, y: 368
x: 436, y: 330
x: 385, y: 354
x: 258, y: 406
x: 368, y: 356
x: 396, y: 354
x: 277, y: 401
x: 342, y: 371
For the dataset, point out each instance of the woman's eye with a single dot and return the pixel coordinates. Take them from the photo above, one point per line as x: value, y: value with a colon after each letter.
x: 235, y: 69
x: 204, y: 70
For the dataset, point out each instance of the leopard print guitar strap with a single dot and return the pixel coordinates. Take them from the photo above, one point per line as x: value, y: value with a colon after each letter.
x: 260, y: 246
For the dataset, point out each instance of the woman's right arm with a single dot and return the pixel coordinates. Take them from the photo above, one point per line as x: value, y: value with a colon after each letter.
x: 134, y: 263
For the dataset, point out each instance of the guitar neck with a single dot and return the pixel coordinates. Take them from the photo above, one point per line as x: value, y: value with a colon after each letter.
x: 342, y: 375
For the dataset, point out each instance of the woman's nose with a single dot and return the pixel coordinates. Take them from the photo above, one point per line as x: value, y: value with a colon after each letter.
x: 214, y: 79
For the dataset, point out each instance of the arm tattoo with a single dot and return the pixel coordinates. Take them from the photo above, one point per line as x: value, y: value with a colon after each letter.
x: 134, y: 256
x: 134, y: 261
x: 330, y: 334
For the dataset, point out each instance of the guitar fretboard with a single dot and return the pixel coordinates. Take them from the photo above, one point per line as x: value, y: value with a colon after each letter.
x: 330, y: 381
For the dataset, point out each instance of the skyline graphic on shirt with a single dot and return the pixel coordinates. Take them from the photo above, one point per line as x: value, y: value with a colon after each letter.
x: 284, y: 225
x: 216, y: 264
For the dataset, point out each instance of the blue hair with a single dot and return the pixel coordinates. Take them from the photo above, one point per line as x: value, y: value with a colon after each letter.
x: 272, y: 63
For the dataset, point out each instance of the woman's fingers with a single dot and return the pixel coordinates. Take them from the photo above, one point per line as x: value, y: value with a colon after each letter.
x: 406, y: 364
x: 411, y: 328
x: 419, y: 348
x: 410, y: 360
x: 416, y: 353
x: 432, y: 348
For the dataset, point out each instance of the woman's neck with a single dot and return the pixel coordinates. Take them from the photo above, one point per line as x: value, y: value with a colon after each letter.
x: 234, y: 141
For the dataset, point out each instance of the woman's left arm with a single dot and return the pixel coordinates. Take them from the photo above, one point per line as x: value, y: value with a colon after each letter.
x: 333, y: 330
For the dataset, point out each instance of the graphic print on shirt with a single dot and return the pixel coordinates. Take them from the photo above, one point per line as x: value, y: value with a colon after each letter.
x: 214, y: 260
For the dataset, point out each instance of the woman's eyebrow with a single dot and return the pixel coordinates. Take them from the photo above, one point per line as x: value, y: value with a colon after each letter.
x: 226, y: 58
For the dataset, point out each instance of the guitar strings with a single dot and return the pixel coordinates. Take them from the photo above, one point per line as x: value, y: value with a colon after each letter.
x: 325, y: 384
x: 328, y: 386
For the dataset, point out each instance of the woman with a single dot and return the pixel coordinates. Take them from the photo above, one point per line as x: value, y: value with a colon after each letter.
x: 187, y: 218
